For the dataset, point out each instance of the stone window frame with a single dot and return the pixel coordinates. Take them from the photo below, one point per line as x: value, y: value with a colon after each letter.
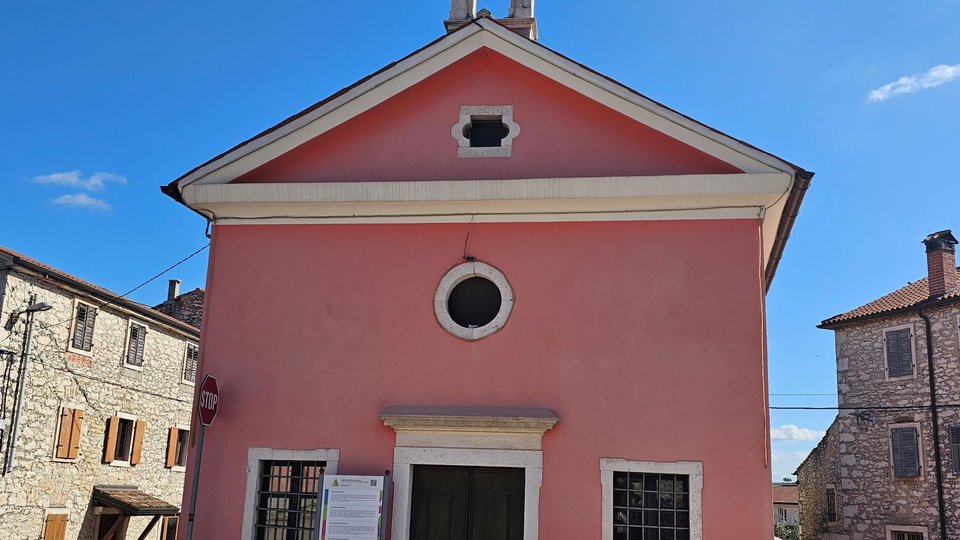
x: 890, y: 529
x: 693, y: 469
x: 913, y: 351
x: 126, y: 344
x: 56, y: 430
x: 454, y: 277
x: 73, y: 324
x: 467, y: 112
x: 920, y: 451
x: 133, y: 434
x: 836, y: 505
x: 255, y: 455
x: 183, y: 363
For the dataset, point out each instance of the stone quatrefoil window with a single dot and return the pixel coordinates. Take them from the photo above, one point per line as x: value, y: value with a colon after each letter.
x: 473, y: 300
x: 485, y: 131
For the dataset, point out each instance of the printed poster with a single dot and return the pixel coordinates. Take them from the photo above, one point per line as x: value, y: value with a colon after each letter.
x: 351, y: 507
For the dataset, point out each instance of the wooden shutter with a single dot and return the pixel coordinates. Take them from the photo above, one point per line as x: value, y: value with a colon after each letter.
x: 190, y: 364
x: 899, y: 353
x: 55, y: 527
x: 74, y: 446
x: 109, y: 452
x: 62, y: 451
x: 138, y: 429
x: 172, y: 447
x: 906, y: 452
x: 138, y: 335
x: 955, y: 448
x: 79, y: 324
x: 88, y: 329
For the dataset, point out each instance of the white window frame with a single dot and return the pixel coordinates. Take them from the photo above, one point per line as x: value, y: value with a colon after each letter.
x: 73, y: 324
x: 56, y: 431
x: 183, y: 365
x: 913, y: 352
x: 182, y: 468
x: 457, y: 275
x: 836, y: 502
x: 890, y: 529
x: 255, y: 455
x: 920, y: 451
x: 693, y: 469
x: 126, y: 345
x: 467, y: 112
x: 133, y: 433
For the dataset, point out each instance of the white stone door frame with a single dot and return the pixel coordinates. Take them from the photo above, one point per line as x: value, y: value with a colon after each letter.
x: 405, y: 458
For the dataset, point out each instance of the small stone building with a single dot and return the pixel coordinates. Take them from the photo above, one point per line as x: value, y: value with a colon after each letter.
x: 95, y: 404
x: 889, y: 466
x: 786, y: 507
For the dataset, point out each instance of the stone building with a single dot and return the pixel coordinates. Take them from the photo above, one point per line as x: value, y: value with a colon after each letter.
x: 889, y: 466
x: 95, y: 422
x: 786, y: 507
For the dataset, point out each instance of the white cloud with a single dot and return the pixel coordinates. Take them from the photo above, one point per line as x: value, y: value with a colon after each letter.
x: 95, y: 182
x: 81, y: 200
x: 794, y: 433
x: 785, y: 462
x: 934, y: 76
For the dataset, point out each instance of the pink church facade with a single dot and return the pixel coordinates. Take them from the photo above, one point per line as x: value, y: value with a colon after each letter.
x: 487, y: 263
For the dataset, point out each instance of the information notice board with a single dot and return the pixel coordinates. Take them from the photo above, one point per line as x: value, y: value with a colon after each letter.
x: 352, y: 507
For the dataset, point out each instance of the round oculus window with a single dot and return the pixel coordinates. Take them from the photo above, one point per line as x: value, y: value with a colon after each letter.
x: 473, y: 300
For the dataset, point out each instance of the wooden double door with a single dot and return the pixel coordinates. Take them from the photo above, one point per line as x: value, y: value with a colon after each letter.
x: 466, y: 503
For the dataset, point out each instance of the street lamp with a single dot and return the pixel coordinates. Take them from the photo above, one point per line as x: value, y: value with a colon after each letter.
x: 30, y: 310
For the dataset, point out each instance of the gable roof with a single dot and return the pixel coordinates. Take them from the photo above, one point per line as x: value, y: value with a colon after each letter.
x: 786, y: 494
x: 484, y: 32
x: 9, y: 259
x: 912, y: 296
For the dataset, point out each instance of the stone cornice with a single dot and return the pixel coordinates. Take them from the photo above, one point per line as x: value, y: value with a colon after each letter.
x: 469, y: 419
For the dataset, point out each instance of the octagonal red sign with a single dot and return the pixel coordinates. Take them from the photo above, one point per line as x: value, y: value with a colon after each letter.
x: 208, y: 400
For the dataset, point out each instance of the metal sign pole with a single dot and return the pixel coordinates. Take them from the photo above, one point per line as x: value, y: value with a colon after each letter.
x: 196, y: 482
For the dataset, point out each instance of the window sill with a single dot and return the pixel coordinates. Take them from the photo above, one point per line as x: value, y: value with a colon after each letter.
x: 124, y: 464
x: 81, y: 352
x: 901, y: 377
x: 64, y: 460
x: 188, y: 383
x: 179, y: 468
x: 132, y: 367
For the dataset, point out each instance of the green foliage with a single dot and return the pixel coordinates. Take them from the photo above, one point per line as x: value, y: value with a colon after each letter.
x: 786, y: 531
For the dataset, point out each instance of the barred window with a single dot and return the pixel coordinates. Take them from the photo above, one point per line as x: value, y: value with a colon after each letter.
x: 190, y: 363
x: 831, y: 505
x: 900, y: 535
x: 651, y: 505
x: 287, y: 499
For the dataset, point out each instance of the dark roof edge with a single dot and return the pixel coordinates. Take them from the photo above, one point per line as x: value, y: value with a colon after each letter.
x: 117, y: 300
x: 801, y: 183
x: 937, y: 302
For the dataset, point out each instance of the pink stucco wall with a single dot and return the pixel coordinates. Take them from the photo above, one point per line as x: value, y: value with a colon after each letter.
x: 562, y: 134
x: 644, y: 337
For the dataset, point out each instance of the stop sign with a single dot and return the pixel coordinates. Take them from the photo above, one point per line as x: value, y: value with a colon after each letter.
x: 209, y: 400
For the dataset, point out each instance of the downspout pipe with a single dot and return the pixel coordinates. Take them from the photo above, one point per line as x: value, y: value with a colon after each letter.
x: 935, y: 418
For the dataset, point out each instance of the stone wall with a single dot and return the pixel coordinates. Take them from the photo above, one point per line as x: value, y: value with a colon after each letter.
x: 188, y: 307
x: 870, y: 497
x: 815, y: 474
x: 100, y: 385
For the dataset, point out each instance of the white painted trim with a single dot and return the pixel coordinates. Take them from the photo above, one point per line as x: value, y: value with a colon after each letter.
x: 133, y: 433
x: 73, y: 324
x: 920, y: 451
x: 454, y: 277
x: 890, y: 529
x: 186, y: 446
x: 913, y: 352
x: 467, y: 113
x: 693, y: 469
x: 405, y: 458
x: 126, y: 345
x: 256, y: 455
x: 447, y: 51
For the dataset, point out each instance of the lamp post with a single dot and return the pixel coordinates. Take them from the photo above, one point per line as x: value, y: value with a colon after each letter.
x: 22, y: 377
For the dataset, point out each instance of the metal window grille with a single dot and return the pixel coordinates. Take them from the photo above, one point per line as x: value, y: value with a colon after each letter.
x: 955, y: 448
x: 190, y: 363
x: 831, y: 505
x: 287, y: 499
x: 651, y: 506
x: 135, y: 346
x: 898, y: 535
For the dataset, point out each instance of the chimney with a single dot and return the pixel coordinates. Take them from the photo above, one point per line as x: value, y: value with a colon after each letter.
x: 941, y: 263
x: 461, y: 12
x: 173, y: 289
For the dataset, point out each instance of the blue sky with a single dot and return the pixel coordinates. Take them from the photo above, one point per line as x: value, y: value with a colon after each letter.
x: 116, y: 99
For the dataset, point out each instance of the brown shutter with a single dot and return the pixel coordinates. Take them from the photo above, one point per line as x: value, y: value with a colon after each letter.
x: 62, y: 450
x: 55, y: 527
x: 137, y: 441
x: 172, y: 447
x: 113, y: 425
x: 74, y: 446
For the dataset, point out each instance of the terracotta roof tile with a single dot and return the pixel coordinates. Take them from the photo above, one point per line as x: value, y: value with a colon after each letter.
x: 906, y: 297
x: 132, y: 501
x: 785, y: 494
